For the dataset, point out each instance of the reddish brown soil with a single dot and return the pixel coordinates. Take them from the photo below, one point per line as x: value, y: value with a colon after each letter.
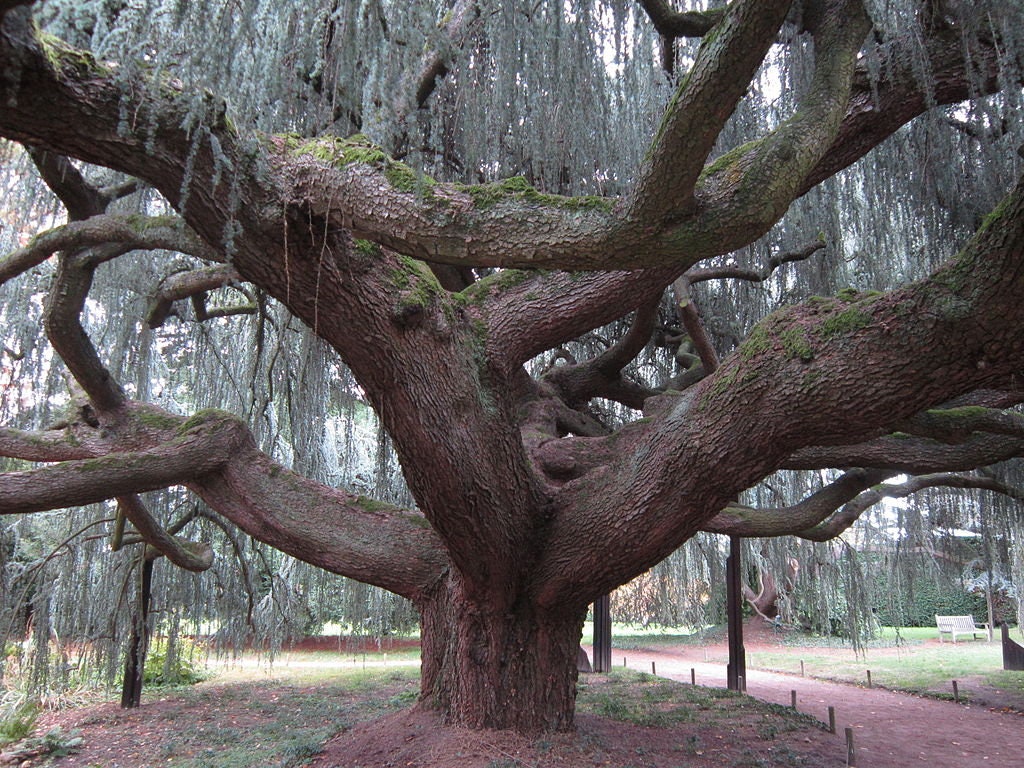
x: 890, y: 730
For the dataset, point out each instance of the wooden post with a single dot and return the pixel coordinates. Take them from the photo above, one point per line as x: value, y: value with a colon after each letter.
x: 1013, y: 652
x: 603, y: 634
x: 653, y: 670
x: 737, y: 668
x: 831, y: 719
x: 792, y: 699
x: 869, y: 678
x: 801, y: 667
x: 135, y: 661
x: 956, y: 692
x: 693, y: 676
x: 851, y: 753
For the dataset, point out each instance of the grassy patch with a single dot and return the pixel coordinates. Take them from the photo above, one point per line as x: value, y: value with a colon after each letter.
x: 641, y: 699
x: 265, y: 723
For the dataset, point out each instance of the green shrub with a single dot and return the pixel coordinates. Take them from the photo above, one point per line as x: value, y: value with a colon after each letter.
x: 174, y: 663
x: 17, y: 722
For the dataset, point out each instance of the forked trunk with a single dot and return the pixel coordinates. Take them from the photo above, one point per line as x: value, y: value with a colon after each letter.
x: 505, y: 669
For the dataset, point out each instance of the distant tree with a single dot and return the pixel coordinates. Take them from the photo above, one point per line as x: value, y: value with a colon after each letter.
x: 490, y: 257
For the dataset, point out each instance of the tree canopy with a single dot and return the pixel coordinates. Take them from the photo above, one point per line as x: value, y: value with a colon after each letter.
x: 598, y: 268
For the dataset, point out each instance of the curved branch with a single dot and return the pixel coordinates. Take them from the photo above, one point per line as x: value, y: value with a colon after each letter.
x: 183, y: 285
x: 192, y: 556
x: 739, y: 520
x: 672, y: 23
x: 850, y: 512
x: 131, y: 232
x: 601, y: 376
x: 703, y: 274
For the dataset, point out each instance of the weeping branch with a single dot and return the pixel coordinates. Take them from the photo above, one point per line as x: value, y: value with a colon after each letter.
x: 421, y: 82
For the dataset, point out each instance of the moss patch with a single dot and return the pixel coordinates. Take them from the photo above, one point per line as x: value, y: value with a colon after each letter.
x: 518, y: 188
x: 66, y: 59
x: 847, y: 321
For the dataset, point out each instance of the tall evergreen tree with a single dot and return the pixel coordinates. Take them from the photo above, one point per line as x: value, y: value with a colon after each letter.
x: 497, y: 216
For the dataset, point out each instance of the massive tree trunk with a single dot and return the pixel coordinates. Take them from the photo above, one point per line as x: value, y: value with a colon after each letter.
x: 491, y: 666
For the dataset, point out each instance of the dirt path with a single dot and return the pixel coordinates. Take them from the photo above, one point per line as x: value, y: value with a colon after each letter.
x: 891, y: 730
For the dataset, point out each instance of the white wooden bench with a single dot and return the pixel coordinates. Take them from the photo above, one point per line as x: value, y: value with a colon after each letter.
x: 958, y: 625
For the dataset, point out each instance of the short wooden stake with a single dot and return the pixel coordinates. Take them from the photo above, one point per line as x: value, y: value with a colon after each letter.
x: 831, y: 719
x: 623, y: 661
x: 851, y: 753
x: 956, y: 692
x: 741, y: 684
x: 869, y: 678
x: 653, y: 671
x: 693, y: 676
x: 801, y: 667
x: 792, y: 698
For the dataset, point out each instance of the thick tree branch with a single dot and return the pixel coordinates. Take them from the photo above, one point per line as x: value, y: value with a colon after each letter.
x: 740, y: 520
x: 672, y: 23
x: 954, y: 425
x: 200, y: 449
x: 192, y: 556
x: 702, y: 104
x: 506, y: 224
x: 183, y: 285
x: 905, y: 453
x: 50, y: 445
x: 961, y: 325
x: 214, y: 455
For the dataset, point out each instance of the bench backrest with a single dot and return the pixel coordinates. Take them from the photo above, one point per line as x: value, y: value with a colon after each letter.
x: 954, y: 622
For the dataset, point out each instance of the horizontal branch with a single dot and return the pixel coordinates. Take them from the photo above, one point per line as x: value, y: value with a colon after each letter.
x: 131, y: 231
x: 184, y: 285
x: 850, y: 512
x: 673, y: 23
x: 741, y: 520
x: 703, y: 274
x: 955, y: 425
x: 202, y: 448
